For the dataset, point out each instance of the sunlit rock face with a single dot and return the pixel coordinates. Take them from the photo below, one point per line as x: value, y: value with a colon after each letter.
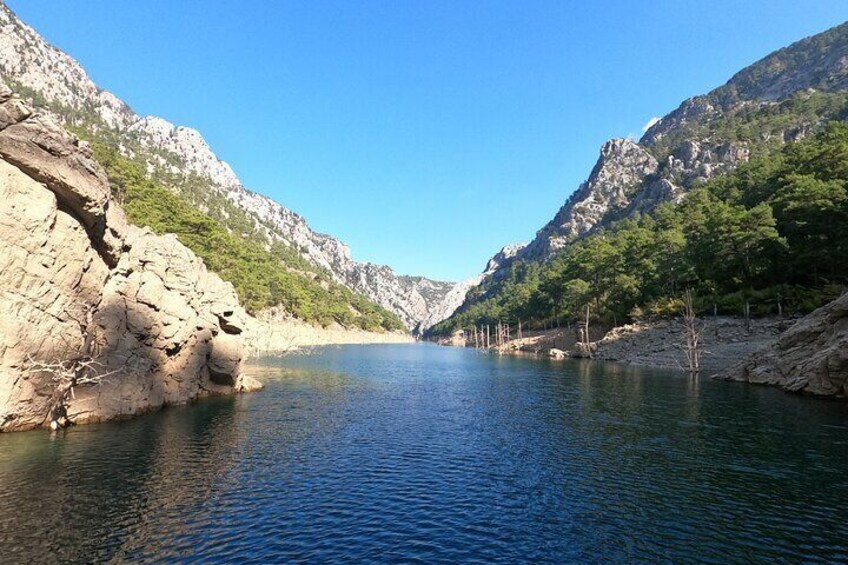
x: 627, y: 179
x: 78, y: 283
x: 621, y: 168
x: 57, y: 82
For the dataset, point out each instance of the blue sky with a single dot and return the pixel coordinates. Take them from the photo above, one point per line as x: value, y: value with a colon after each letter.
x: 424, y: 134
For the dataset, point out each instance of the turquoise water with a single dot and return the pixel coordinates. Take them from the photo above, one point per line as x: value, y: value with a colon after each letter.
x: 421, y: 454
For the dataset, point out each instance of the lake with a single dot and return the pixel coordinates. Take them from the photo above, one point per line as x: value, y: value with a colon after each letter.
x: 425, y: 454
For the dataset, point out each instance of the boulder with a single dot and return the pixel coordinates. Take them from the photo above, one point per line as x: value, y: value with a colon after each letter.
x: 40, y: 148
x: 810, y: 357
x: 246, y: 383
x: 557, y: 354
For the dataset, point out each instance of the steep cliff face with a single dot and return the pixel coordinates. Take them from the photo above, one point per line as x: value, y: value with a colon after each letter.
x: 101, y: 318
x: 621, y: 169
x: 57, y: 82
x: 810, y: 357
x: 818, y: 63
x: 762, y: 106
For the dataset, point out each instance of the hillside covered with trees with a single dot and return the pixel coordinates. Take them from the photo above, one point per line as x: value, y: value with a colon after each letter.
x: 772, y: 234
x: 264, y: 273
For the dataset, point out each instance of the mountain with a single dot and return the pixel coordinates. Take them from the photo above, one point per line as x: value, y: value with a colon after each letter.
x: 180, y: 158
x: 782, y: 98
x: 777, y: 99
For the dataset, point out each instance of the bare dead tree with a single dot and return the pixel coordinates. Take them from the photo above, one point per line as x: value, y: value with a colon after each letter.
x: 692, y: 345
x: 68, y: 371
x: 584, y: 335
x: 66, y: 375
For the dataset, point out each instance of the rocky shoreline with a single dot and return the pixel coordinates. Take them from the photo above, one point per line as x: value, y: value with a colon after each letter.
x: 273, y: 333
x: 811, y: 357
x: 102, y: 319
x: 651, y: 344
x: 805, y: 355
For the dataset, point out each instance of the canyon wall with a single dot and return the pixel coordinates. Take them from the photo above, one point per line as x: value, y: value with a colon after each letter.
x: 100, y: 319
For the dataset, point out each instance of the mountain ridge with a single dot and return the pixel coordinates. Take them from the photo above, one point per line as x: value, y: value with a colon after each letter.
x: 57, y: 82
x: 634, y: 176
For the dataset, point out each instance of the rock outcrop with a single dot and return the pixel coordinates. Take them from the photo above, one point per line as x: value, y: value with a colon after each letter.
x: 503, y: 257
x: 627, y: 179
x: 621, y: 169
x: 87, y: 298
x: 446, y: 305
x: 810, y: 357
x: 60, y: 84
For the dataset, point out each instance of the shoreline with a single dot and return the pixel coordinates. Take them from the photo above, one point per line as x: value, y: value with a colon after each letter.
x: 278, y: 335
x: 658, y: 344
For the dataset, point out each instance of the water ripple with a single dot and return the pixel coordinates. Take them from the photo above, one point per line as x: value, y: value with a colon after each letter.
x: 399, y: 454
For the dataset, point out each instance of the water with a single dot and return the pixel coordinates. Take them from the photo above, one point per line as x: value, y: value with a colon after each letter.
x: 420, y: 454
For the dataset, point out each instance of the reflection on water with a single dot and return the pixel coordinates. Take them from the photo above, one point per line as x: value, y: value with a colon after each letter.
x: 75, y: 495
x: 419, y: 453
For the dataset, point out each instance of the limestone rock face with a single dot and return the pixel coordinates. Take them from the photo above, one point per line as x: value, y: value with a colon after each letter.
x: 28, y: 61
x: 621, y: 168
x: 503, y: 256
x: 810, y: 357
x: 627, y: 179
x: 196, y: 155
x: 52, y: 73
x: 77, y: 282
x: 52, y: 156
x: 447, y: 305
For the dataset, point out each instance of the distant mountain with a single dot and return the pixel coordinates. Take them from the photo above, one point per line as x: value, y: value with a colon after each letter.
x: 781, y: 98
x: 181, y: 158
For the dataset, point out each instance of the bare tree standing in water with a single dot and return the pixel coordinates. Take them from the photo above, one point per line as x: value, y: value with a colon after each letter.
x: 691, y: 335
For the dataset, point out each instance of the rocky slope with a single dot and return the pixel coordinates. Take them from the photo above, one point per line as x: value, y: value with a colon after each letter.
x: 706, y: 136
x: 57, y: 82
x: 810, y: 357
x: 101, y: 319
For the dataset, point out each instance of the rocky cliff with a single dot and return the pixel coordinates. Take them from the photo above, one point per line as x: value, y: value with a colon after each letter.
x: 810, y: 357
x: 101, y: 319
x: 57, y: 82
x: 622, y: 168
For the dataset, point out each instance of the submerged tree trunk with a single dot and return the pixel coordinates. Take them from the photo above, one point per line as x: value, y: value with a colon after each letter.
x: 691, y: 335
x: 584, y: 335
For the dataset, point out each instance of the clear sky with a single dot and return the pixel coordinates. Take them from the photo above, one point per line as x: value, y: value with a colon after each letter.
x: 425, y: 134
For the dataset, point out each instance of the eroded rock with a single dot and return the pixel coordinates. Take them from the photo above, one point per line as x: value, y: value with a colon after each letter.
x: 77, y: 282
x: 810, y: 357
x: 554, y: 353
